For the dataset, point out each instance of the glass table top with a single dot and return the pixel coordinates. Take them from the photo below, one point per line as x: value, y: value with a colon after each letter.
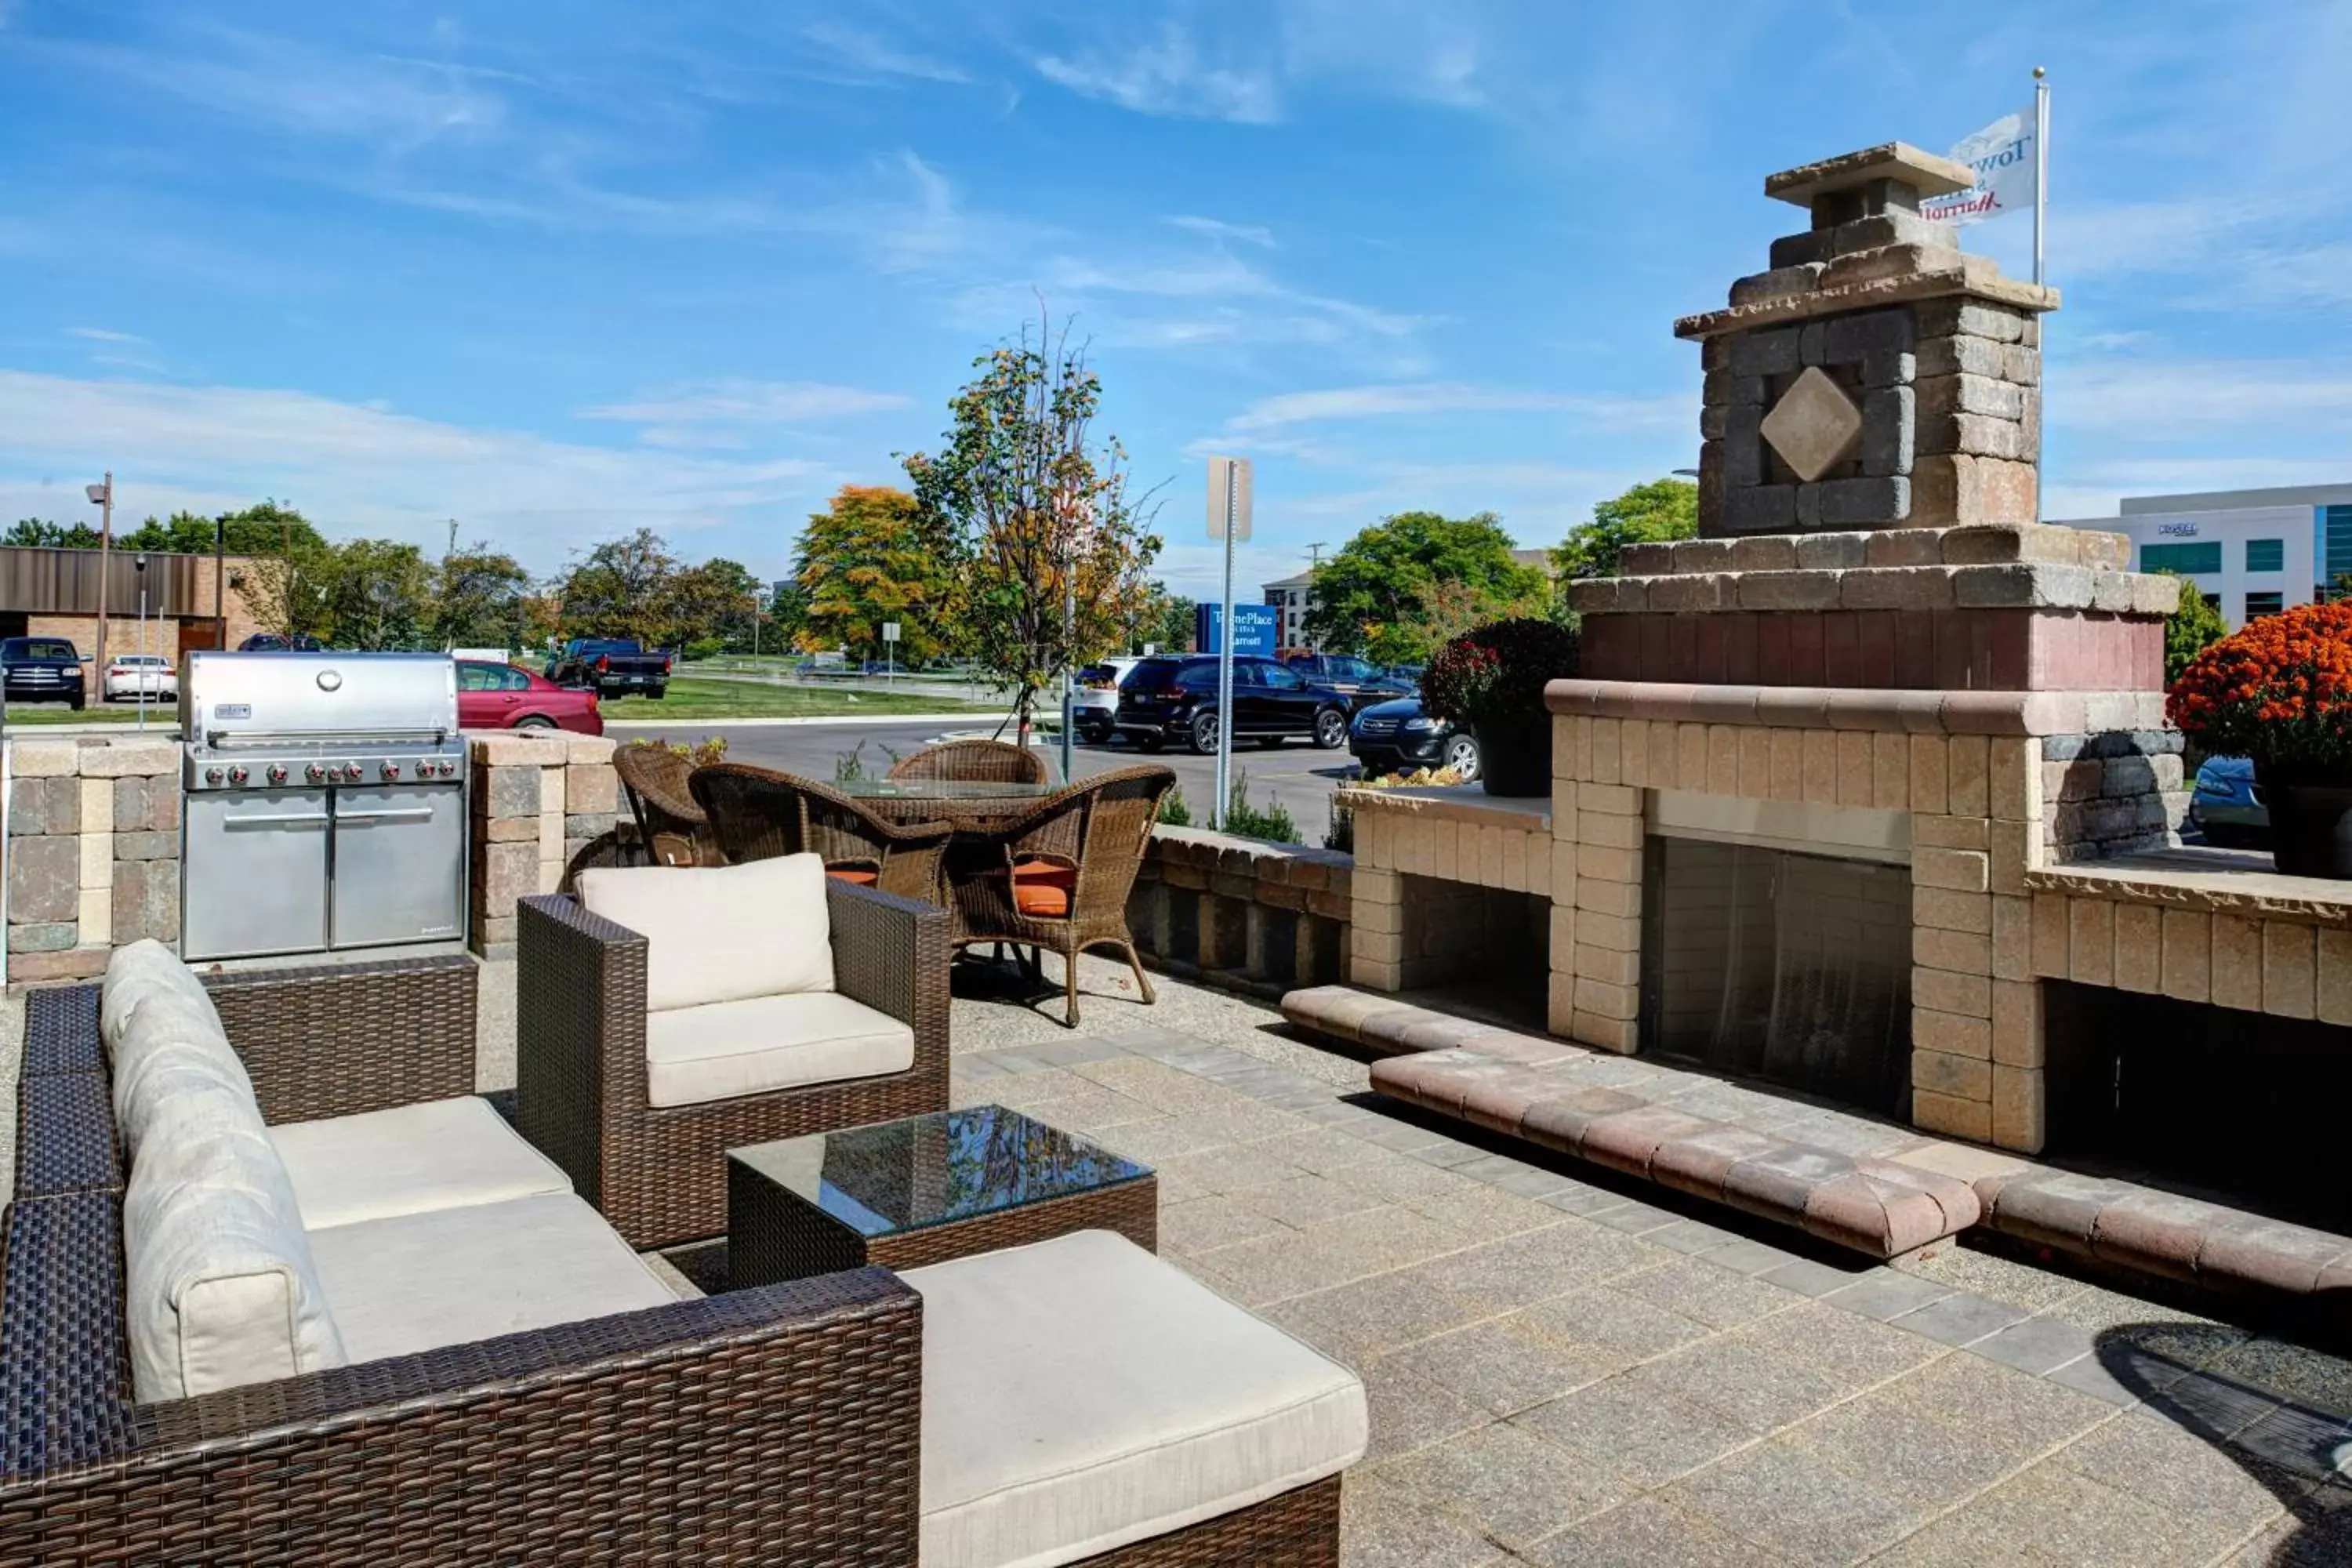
x: 942, y: 789
x: 939, y: 1169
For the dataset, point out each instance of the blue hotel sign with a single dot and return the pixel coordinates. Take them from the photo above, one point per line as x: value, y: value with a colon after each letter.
x: 1257, y: 629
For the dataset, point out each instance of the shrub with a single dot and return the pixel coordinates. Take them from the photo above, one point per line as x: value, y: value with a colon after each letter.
x: 1172, y: 809
x: 2279, y: 691
x: 707, y: 750
x: 1494, y: 677
x: 2192, y: 627
x: 1241, y: 817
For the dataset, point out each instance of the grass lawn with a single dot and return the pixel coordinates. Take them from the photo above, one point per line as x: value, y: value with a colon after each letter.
x: 164, y: 715
x: 689, y: 699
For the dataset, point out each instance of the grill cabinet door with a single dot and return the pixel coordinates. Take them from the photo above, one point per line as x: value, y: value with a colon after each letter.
x: 255, y: 875
x: 399, y: 865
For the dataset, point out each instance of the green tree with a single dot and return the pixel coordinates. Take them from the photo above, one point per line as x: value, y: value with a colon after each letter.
x: 479, y: 596
x: 1162, y: 618
x: 787, y: 616
x: 709, y: 604
x: 1044, y: 548
x: 39, y: 534
x: 620, y: 589
x: 871, y: 557
x: 1646, y: 514
x: 2193, y: 626
x: 1392, y: 588
x: 379, y: 595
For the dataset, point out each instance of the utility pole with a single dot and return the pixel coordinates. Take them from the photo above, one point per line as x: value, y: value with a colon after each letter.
x: 1315, y: 556
x: 103, y: 495
x: 453, y: 543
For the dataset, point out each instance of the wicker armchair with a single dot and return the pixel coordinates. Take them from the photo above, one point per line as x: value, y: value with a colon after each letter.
x: 582, y: 1442
x: 671, y: 829
x: 658, y: 1173
x: 979, y: 762
x: 1058, y: 876
x: 757, y: 813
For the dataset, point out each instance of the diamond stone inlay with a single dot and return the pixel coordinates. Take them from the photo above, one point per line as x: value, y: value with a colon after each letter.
x: 1814, y: 426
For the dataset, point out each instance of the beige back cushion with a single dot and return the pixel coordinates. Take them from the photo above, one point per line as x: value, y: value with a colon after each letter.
x: 140, y: 973
x: 220, y: 1289
x: 724, y: 933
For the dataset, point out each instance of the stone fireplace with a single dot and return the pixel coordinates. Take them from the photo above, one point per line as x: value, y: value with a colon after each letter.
x: 1814, y: 754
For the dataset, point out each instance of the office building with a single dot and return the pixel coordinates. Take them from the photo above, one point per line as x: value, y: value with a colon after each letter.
x: 2251, y: 552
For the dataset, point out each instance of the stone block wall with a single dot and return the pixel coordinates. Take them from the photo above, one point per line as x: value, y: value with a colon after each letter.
x: 2291, y: 960
x: 1242, y: 912
x: 93, y: 851
x: 542, y: 801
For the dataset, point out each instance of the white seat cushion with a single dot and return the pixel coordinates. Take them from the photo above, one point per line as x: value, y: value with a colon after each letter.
x: 720, y: 933
x: 408, y: 1160
x: 453, y: 1275
x: 767, y: 1043
x: 1080, y: 1395
x: 143, y: 970
x: 220, y: 1285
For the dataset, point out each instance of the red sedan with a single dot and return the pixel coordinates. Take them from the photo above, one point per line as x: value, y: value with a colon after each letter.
x: 504, y: 697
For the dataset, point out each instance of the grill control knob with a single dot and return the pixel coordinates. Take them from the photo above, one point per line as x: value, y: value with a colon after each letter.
x: 392, y: 770
x: 423, y: 769
x: 212, y: 775
x: 277, y: 772
x: 236, y: 775
x: 446, y: 769
x: 314, y: 773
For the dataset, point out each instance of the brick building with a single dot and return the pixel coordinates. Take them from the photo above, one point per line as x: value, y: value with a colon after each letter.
x: 55, y: 593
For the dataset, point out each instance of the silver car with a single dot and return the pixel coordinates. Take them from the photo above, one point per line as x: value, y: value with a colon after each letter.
x: 1094, y: 706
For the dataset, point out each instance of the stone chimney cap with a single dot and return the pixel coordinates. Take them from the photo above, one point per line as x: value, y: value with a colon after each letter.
x: 1925, y: 172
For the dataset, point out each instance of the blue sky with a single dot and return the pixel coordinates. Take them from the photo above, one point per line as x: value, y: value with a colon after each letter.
x: 559, y: 271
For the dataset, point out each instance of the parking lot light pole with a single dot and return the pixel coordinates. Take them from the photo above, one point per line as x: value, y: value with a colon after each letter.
x: 103, y: 497
x: 141, y: 561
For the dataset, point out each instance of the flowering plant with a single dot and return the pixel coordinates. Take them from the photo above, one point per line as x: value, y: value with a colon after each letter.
x: 1494, y: 675
x: 2280, y: 691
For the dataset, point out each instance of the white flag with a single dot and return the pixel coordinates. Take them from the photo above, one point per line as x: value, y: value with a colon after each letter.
x: 2003, y: 154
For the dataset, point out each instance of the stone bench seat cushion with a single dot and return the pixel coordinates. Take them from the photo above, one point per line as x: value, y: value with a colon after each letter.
x: 449, y: 1277
x: 1080, y: 1395
x: 763, y: 1043
x: 410, y: 1159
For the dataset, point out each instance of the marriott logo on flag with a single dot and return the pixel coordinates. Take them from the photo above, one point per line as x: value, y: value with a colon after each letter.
x: 2003, y: 154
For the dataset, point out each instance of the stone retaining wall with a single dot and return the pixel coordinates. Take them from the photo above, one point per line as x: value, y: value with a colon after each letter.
x: 543, y: 800
x: 93, y: 851
x: 1443, y: 877
x: 1242, y: 912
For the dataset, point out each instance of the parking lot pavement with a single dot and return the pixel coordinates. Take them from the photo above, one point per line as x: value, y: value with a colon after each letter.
x: 1295, y: 774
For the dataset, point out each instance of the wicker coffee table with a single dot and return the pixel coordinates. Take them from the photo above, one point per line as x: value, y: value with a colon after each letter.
x: 923, y: 1190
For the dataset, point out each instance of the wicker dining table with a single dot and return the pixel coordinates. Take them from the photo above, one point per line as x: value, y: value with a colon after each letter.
x: 971, y: 805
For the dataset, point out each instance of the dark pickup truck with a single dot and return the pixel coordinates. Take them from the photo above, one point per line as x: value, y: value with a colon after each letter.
x: 614, y: 667
x: 41, y: 669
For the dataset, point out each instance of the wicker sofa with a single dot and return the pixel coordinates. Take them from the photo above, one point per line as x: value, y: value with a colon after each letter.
x: 1073, y: 1402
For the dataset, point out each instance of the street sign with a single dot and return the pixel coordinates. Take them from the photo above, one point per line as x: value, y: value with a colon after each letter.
x: 1229, y: 495
x: 1257, y: 629
x: 889, y: 631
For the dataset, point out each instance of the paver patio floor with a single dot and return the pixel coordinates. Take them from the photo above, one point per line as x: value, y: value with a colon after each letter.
x: 1564, y: 1372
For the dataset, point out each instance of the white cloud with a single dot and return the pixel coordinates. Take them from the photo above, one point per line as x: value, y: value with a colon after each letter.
x: 1425, y: 398
x: 1217, y: 229
x: 864, y: 52
x: 1168, y: 76
x: 734, y: 401
x: 104, y: 335
x: 2145, y: 400
x: 356, y: 468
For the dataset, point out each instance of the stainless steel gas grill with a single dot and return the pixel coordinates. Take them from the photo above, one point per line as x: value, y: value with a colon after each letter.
x: 326, y: 802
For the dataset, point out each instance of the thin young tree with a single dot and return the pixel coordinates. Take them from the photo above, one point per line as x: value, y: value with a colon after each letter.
x: 1047, y: 549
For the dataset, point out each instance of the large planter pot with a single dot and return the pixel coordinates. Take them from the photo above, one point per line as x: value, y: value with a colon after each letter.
x: 2311, y: 826
x: 1515, y: 759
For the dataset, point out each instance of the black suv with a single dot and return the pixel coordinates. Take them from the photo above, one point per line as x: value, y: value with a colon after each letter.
x: 1359, y: 679
x: 41, y: 669
x: 1175, y: 699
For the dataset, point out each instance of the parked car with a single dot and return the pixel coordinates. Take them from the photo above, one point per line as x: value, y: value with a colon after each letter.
x: 1399, y: 736
x: 132, y: 674
x: 42, y: 669
x: 2227, y: 806
x: 279, y: 642
x: 503, y: 696
x: 1094, y: 706
x: 1175, y: 699
x: 613, y: 666
x: 1359, y: 680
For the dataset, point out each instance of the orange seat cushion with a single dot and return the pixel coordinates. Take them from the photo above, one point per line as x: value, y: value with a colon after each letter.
x: 858, y: 874
x: 1043, y: 889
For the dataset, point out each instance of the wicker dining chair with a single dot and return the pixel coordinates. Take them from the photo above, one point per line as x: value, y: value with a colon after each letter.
x: 1058, y: 877
x: 758, y: 813
x: 672, y: 830
x: 976, y: 761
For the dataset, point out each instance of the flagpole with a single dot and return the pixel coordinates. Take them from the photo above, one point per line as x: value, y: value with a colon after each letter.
x: 2040, y: 162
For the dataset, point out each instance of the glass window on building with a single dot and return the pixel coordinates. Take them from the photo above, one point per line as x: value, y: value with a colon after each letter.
x: 2189, y: 559
x: 2266, y: 555
x: 2336, y: 548
x: 2260, y: 604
